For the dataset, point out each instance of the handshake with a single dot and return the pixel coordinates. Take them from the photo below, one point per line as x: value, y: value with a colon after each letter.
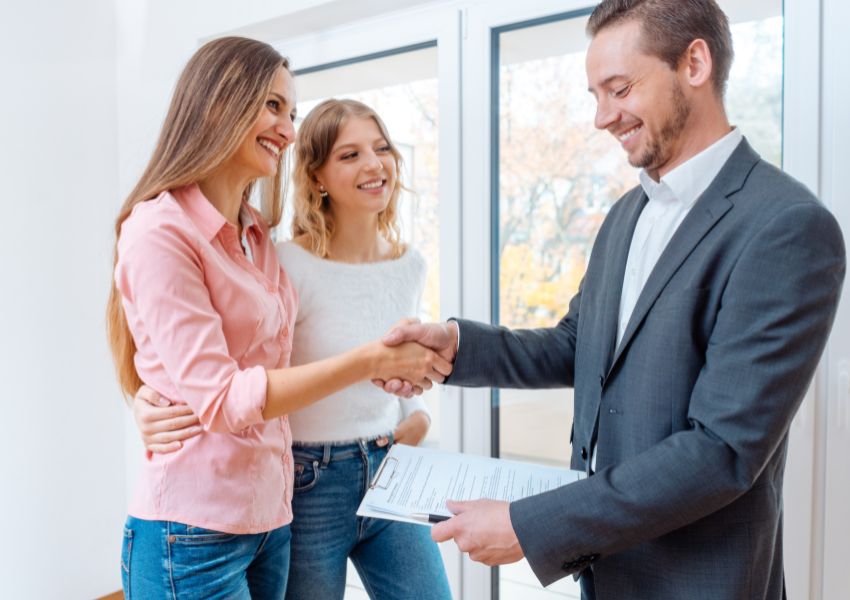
x: 412, y: 356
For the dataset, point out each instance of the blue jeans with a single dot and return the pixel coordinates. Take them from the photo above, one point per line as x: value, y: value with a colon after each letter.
x: 163, y: 559
x: 395, y: 560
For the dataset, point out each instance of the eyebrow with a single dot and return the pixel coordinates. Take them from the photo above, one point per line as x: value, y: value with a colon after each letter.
x: 283, y: 100
x: 353, y: 145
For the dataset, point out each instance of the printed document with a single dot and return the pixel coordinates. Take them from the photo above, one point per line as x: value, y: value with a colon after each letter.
x: 418, y: 481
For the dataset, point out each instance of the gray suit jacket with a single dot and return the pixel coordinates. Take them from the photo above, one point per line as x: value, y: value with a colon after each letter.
x: 691, y: 411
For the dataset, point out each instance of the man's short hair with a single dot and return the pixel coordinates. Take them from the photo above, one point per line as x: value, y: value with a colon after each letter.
x: 669, y: 26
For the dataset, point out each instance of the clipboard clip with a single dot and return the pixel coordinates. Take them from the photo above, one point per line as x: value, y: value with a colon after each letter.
x: 385, y: 473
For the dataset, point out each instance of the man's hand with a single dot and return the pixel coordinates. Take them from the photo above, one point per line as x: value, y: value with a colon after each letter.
x: 481, y: 528
x: 163, y: 426
x: 439, y: 337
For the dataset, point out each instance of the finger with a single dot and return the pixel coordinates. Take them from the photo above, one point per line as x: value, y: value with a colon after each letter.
x: 457, y: 506
x: 436, y: 377
x: 424, y: 383
x: 406, y: 321
x: 404, y: 333
x: 157, y: 413
x: 152, y: 397
x: 393, y: 386
x: 151, y: 428
x: 164, y: 448
x: 416, y: 391
x: 442, y: 532
x: 179, y: 435
x: 171, y: 417
x: 406, y: 389
x: 441, y: 365
x: 179, y: 423
x: 379, y: 382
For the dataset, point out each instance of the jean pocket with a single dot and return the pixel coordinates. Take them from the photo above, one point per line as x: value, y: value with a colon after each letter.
x: 126, y: 552
x: 306, y: 475
x: 193, y: 536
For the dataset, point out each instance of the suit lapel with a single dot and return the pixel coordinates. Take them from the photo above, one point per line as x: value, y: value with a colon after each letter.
x: 615, y: 264
x: 708, y: 210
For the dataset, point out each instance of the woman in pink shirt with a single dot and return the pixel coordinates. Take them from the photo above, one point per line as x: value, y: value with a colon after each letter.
x: 201, y: 312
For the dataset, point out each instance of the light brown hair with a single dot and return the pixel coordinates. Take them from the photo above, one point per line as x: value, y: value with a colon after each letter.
x: 316, y: 137
x: 217, y: 99
x: 669, y: 26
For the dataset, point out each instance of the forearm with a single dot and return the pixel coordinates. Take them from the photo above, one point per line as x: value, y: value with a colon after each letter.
x: 293, y: 388
x: 500, y: 357
x: 690, y: 475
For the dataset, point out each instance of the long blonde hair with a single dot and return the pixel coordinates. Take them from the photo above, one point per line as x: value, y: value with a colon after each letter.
x: 222, y: 89
x: 316, y: 137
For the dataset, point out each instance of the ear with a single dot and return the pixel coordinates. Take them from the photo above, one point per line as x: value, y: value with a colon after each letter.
x: 317, y: 185
x: 697, y: 65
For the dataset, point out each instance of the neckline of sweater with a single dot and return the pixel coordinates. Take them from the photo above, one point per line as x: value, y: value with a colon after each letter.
x: 392, y: 262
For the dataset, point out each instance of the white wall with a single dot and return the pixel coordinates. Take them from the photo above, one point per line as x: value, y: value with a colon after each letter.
x: 61, y: 458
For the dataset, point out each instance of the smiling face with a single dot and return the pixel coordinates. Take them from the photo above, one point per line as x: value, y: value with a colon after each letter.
x: 260, y: 152
x: 360, y: 173
x: 639, y: 98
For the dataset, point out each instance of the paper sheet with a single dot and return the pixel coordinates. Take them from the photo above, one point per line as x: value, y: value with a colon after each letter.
x: 420, y: 480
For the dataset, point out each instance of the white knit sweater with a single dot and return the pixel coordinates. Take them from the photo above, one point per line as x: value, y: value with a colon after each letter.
x: 341, y: 306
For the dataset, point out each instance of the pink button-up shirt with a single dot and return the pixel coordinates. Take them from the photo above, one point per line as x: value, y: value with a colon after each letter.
x: 207, y: 324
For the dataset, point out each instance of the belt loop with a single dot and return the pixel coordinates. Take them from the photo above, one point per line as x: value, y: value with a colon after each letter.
x: 364, y: 446
x: 326, y: 455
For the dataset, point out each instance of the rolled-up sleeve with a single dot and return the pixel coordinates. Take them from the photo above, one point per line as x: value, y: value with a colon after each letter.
x: 161, y: 279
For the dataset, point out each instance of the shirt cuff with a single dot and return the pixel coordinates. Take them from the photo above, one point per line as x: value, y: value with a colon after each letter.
x: 457, y: 326
x: 245, y: 402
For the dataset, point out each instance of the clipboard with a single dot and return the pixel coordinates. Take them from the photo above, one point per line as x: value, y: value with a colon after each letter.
x: 417, y: 481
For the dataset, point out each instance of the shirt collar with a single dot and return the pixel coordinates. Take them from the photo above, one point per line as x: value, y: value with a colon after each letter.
x: 206, y: 217
x: 689, y: 180
x: 250, y: 219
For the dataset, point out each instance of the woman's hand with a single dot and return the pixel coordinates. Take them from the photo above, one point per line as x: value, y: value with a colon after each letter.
x: 163, y: 426
x: 413, y: 429
x: 408, y: 362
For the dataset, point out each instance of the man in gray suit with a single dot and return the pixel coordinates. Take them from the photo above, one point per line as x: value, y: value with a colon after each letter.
x: 707, y: 302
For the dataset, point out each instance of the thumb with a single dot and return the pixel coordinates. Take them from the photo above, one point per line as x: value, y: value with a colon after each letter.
x: 444, y: 531
x: 403, y: 333
x: 152, y: 397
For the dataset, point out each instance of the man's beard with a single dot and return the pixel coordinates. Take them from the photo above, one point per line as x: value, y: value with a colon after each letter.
x: 658, y: 148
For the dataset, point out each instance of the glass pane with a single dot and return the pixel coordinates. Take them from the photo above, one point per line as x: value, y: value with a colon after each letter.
x: 558, y: 177
x: 402, y: 88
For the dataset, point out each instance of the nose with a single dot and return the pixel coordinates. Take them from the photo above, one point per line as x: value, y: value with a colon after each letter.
x: 373, y: 162
x: 286, y: 129
x: 606, y: 113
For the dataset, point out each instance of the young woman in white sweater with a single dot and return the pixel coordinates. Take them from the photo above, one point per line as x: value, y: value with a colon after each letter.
x: 355, y: 279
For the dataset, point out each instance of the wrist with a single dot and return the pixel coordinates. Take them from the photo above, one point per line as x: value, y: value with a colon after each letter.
x: 454, y: 335
x: 370, y: 354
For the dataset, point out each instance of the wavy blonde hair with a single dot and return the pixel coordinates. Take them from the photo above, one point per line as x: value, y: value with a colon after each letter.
x: 217, y: 99
x: 316, y: 137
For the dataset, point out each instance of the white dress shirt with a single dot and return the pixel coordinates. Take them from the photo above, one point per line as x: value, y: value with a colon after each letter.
x: 670, y: 200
